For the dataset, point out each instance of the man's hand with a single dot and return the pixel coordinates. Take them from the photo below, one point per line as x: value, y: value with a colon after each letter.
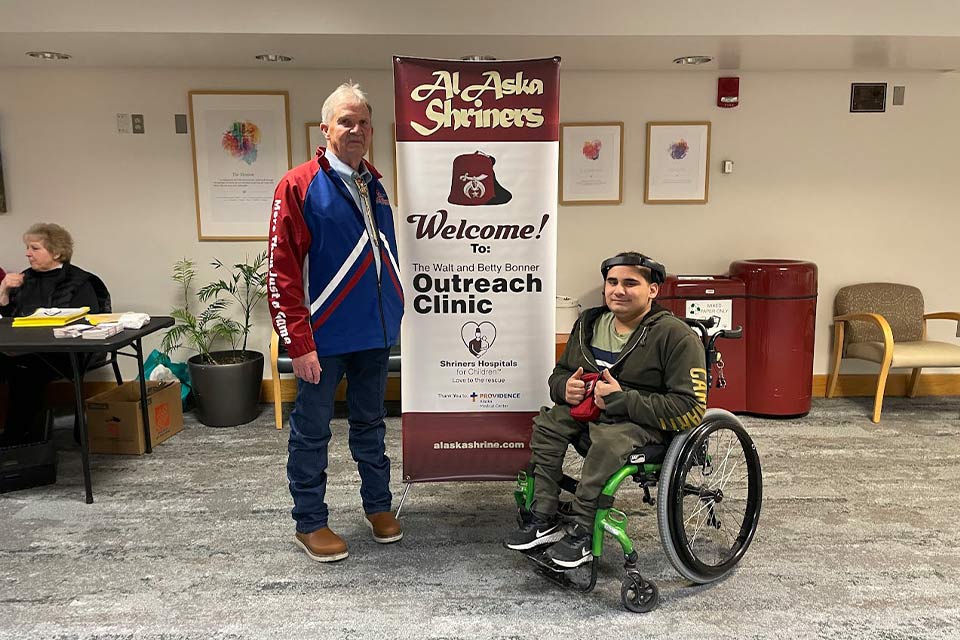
x: 604, y: 386
x: 576, y: 389
x: 307, y: 367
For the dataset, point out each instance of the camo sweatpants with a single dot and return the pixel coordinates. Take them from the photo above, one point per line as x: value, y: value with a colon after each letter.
x: 610, y: 444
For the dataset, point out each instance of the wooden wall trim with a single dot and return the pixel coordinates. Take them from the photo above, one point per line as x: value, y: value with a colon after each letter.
x: 61, y: 392
x: 931, y: 384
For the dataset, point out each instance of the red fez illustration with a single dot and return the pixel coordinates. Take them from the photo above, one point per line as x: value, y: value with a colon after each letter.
x: 474, y: 183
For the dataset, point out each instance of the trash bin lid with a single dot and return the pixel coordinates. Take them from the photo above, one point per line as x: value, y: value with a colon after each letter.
x: 686, y: 287
x: 775, y: 278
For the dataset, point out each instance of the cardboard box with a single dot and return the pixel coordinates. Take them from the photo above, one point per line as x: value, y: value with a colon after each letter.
x: 115, y: 423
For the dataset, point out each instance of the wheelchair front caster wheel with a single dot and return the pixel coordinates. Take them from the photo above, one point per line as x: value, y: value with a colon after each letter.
x: 639, y: 595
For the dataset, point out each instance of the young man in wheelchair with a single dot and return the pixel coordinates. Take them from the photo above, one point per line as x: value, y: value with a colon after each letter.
x: 648, y: 364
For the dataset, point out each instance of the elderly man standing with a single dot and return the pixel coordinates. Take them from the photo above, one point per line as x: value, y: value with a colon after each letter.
x: 336, y: 303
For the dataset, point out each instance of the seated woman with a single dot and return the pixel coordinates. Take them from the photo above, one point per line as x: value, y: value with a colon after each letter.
x: 50, y: 281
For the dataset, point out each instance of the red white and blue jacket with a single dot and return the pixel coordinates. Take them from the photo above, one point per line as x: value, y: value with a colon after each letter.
x: 322, y: 284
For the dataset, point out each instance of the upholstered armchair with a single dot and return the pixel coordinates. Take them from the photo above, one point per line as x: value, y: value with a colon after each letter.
x: 885, y: 323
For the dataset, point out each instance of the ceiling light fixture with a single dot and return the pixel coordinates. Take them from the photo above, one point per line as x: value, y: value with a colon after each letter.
x: 49, y: 55
x: 693, y: 60
x: 273, y: 57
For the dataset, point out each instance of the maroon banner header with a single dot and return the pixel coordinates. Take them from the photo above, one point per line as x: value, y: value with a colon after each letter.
x: 450, y: 100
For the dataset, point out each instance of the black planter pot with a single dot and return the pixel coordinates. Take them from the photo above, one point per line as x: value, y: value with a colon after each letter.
x: 227, y: 394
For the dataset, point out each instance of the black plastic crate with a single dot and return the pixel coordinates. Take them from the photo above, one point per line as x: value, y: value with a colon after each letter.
x: 27, y: 465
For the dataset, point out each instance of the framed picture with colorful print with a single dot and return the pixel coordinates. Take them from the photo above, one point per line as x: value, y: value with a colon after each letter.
x: 591, y: 163
x: 315, y: 138
x: 678, y: 163
x: 241, y: 149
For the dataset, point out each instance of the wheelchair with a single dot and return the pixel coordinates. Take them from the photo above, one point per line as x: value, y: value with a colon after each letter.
x: 709, y: 492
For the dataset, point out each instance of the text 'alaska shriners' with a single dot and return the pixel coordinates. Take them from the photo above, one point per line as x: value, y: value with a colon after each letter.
x: 443, y: 115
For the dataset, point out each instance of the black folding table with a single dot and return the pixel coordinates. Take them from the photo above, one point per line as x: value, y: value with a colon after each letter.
x: 40, y: 340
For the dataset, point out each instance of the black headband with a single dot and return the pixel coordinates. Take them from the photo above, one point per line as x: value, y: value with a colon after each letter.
x: 658, y: 273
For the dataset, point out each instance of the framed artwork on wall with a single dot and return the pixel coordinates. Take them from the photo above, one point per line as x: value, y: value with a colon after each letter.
x: 396, y: 195
x: 3, y: 193
x: 591, y: 163
x: 315, y: 138
x: 678, y: 163
x: 241, y: 149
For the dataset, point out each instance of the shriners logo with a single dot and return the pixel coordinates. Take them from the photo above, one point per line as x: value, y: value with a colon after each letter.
x: 478, y: 337
x: 474, y: 188
x: 474, y: 182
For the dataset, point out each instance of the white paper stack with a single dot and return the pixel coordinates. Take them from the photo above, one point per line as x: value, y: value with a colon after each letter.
x: 70, y: 331
x: 103, y: 330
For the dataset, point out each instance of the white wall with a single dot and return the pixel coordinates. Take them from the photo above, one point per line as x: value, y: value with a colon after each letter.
x: 867, y: 197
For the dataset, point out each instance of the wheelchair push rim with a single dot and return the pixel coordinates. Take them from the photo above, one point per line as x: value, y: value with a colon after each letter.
x: 710, y: 513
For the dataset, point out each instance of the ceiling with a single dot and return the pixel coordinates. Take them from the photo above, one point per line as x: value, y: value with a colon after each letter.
x: 615, y: 35
x: 613, y: 53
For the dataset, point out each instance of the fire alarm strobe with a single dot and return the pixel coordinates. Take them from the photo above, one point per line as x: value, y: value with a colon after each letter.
x: 728, y: 92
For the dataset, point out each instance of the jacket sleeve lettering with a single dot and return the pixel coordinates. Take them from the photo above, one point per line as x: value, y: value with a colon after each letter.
x: 289, y: 243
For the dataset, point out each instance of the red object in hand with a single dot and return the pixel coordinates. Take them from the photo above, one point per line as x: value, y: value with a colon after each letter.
x: 587, y: 410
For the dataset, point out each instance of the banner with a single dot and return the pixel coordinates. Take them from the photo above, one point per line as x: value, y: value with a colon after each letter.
x: 477, y: 165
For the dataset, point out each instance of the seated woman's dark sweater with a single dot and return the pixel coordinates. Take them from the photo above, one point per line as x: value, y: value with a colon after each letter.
x: 66, y: 286
x: 27, y: 375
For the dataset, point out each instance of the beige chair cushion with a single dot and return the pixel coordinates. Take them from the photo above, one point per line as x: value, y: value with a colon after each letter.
x: 926, y: 353
x: 901, y: 305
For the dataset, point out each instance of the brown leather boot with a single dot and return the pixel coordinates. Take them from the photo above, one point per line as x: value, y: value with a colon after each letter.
x: 322, y: 545
x: 385, y: 527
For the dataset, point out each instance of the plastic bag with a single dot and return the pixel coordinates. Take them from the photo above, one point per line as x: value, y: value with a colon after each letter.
x: 179, y: 369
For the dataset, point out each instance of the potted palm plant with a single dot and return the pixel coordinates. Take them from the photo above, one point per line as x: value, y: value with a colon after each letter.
x: 226, y: 382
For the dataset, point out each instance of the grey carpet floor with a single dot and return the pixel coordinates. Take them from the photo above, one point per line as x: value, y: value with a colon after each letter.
x: 858, y: 538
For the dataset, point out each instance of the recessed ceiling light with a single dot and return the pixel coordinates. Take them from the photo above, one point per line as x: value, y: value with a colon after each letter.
x: 693, y: 60
x: 478, y: 58
x: 49, y: 55
x: 273, y: 57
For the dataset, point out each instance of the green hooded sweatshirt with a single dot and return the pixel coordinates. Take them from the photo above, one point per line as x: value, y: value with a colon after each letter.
x: 661, y: 370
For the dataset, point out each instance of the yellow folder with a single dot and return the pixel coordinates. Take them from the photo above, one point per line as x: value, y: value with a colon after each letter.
x: 51, y: 317
x: 97, y: 318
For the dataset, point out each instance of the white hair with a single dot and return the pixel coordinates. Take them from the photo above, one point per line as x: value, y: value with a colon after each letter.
x: 349, y: 90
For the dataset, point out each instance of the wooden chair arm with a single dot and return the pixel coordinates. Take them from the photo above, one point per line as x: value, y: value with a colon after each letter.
x: 875, y: 318
x: 944, y: 315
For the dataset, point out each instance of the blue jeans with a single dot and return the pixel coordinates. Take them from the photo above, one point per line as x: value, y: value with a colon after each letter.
x: 366, y: 373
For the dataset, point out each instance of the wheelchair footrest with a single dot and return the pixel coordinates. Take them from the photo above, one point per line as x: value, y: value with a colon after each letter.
x: 540, y: 558
x: 562, y: 575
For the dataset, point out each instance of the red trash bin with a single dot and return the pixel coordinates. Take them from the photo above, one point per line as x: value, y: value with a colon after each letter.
x: 705, y: 296
x: 781, y: 304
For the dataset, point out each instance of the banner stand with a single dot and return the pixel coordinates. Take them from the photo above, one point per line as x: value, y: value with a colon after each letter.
x: 477, y: 168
